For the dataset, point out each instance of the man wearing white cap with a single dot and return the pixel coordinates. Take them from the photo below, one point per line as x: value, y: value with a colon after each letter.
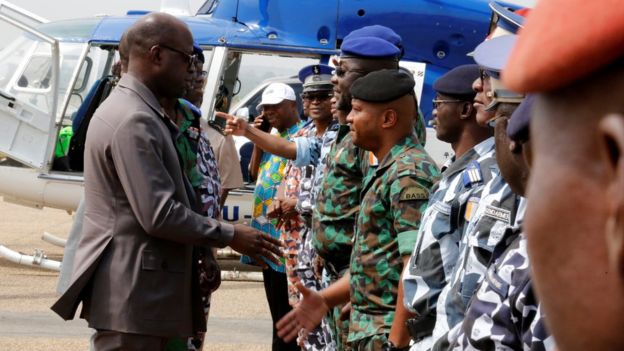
x: 279, y: 109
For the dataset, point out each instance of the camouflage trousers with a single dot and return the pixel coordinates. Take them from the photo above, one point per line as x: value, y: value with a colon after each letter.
x: 306, y: 271
x: 370, y: 343
x: 339, y: 328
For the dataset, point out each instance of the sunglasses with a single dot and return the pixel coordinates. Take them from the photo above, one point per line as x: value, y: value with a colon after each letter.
x: 192, y: 58
x: 317, y: 96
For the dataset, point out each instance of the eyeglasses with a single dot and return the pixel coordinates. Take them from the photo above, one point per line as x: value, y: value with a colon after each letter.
x: 192, y: 58
x: 317, y: 96
x: 483, y: 75
x: 437, y: 102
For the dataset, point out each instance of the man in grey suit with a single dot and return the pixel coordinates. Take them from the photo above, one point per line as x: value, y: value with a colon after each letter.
x: 133, y: 272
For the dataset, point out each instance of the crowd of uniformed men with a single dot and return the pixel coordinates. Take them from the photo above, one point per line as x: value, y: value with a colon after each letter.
x: 515, y: 243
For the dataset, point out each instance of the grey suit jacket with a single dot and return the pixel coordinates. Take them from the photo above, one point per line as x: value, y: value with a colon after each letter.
x: 133, y: 266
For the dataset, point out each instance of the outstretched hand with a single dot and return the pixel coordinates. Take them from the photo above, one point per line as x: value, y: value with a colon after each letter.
x: 305, y: 316
x: 234, y: 125
x: 256, y: 244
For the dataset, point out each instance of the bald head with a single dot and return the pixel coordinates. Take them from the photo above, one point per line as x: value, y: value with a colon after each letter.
x: 160, y: 52
x: 156, y: 28
x: 577, y: 137
x: 123, y: 53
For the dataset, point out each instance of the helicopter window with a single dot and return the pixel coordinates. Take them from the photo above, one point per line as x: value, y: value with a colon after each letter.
x: 11, y: 58
x: 37, y: 74
x: 258, y: 70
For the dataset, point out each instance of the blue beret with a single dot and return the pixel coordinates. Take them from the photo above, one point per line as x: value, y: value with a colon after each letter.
x: 372, y: 41
x: 492, y: 55
x: 458, y: 81
x: 518, y: 127
x: 316, y: 77
x: 197, y: 50
x: 507, y: 19
x: 382, y: 86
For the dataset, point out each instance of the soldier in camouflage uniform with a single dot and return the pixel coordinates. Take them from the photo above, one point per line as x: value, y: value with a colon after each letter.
x: 347, y: 165
x: 505, y: 312
x: 336, y: 207
x: 395, y: 194
x: 451, y: 205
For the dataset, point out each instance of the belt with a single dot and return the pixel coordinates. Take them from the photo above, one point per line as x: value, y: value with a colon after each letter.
x: 421, y: 327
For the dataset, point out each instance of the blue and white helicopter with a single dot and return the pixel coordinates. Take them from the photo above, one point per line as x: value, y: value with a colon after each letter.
x: 46, y: 74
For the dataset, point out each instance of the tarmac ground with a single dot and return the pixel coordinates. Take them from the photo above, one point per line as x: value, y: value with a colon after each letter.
x: 239, y: 316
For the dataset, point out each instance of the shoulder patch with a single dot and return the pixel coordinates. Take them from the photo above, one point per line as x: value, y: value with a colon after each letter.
x: 414, y: 193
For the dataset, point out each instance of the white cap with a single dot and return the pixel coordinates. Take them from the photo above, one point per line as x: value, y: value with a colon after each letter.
x: 276, y: 93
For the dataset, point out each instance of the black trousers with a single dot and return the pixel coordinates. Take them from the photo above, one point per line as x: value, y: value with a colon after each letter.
x: 276, y: 289
x: 108, y: 340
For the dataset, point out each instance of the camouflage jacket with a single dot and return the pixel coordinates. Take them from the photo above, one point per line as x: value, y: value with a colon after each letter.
x: 505, y: 313
x: 338, y: 201
x: 497, y: 211
x: 395, y: 196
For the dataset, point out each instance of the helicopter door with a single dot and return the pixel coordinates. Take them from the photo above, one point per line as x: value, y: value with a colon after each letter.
x: 29, y: 80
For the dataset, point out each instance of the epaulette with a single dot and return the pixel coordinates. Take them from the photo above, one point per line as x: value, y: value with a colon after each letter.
x: 472, y: 175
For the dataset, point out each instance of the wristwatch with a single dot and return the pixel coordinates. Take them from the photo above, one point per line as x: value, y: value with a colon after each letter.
x: 389, y: 346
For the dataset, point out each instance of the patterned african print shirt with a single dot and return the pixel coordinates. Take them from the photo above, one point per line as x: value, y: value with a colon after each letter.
x: 505, y: 313
x: 450, y: 208
x: 199, y: 159
x: 293, y: 229
x: 270, y: 174
x: 498, y: 210
x: 395, y: 196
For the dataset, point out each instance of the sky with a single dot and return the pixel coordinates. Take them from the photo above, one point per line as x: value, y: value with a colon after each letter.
x: 65, y: 9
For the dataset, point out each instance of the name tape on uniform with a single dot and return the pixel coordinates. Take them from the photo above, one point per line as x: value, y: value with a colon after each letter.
x: 414, y: 193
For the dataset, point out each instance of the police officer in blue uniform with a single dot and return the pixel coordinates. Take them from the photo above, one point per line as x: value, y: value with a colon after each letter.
x: 505, y: 312
x: 500, y: 204
x: 447, y: 213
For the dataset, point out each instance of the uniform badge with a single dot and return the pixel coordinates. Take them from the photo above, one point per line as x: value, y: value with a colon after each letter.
x: 372, y: 159
x: 472, y: 175
x: 471, y: 207
x: 414, y: 193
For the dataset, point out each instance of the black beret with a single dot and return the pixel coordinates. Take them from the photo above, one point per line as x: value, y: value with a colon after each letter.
x: 382, y: 86
x: 458, y: 81
x: 518, y: 126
